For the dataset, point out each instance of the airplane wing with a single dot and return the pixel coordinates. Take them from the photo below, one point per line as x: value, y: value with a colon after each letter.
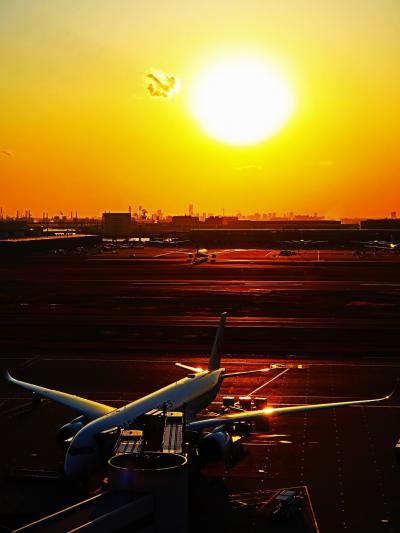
x: 273, y: 411
x: 85, y: 407
x: 225, y: 375
x: 175, y: 252
x: 227, y: 251
x: 389, y: 247
x: 234, y: 374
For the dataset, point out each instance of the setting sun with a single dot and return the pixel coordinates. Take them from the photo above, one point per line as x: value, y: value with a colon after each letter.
x: 241, y: 100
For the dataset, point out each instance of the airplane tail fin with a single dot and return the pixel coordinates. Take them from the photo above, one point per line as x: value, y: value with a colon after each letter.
x: 214, y: 361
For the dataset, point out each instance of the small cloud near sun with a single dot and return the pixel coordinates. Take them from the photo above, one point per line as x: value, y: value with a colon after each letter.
x: 6, y: 153
x: 162, y: 85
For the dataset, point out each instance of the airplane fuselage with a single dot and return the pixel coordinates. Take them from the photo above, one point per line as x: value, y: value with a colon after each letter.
x: 193, y: 392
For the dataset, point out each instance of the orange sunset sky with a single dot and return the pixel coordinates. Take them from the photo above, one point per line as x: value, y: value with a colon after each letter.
x: 80, y: 131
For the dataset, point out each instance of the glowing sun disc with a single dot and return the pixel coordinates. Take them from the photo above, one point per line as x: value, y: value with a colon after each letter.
x: 241, y: 100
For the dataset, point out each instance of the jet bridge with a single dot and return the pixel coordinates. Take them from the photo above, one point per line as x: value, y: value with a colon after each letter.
x: 155, y: 432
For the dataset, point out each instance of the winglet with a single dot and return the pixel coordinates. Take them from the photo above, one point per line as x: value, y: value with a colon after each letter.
x: 214, y: 361
x: 86, y: 407
x: 395, y: 390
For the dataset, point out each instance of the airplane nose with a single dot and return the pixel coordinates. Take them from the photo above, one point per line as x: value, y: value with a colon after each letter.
x: 80, y: 462
x: 73, y: 467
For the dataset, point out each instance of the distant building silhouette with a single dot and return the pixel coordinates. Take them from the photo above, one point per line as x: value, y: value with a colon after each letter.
x: 185, y: 221
x: 385, y: 223
x: 117, y: 224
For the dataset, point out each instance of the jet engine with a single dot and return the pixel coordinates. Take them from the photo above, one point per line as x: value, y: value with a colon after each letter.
x: 68, y: 431
x: 216, y: 445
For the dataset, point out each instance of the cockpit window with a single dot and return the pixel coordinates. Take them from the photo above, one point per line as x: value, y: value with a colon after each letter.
x: 83, y: 450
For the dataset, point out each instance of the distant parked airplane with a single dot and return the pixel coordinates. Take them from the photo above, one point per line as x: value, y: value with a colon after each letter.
x: 302, y: 243
x: 201, y: 255
x: 387, y: 246
x: 168, y: 241
x: 192, y: 393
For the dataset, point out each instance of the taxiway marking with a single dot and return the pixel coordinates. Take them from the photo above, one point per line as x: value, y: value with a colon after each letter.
x: 268, y: 382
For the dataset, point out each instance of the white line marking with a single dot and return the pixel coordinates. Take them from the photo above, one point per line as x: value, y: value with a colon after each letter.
x: 268, y: 382
x: 312, y: 509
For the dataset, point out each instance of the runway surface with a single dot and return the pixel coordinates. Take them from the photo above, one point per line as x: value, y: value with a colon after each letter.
x: 110, y: 328
x: 110, y: 304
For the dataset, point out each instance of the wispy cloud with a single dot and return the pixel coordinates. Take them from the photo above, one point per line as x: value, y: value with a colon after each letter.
x: 162, y: 85
x: 6, y: 153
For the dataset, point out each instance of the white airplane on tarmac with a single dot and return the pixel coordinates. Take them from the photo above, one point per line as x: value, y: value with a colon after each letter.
x: 201, y: 255
x: 302, y: 243
x: 385, y: 246
x: 192, y: 393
